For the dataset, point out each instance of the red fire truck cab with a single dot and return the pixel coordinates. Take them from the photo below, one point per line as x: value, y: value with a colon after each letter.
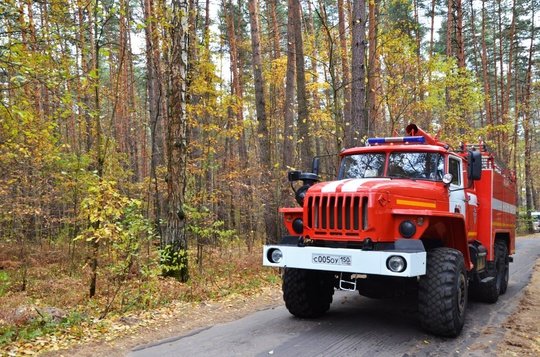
x: 406, y: 214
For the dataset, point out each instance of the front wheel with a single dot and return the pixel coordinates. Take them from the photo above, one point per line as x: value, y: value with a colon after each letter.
x: 307, y: 293
x: 442, y: 292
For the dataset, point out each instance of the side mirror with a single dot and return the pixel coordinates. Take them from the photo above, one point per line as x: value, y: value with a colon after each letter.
x: 315, y: 166
x: 294, y: 175
x: 307, y: 178
x: 475, y: 165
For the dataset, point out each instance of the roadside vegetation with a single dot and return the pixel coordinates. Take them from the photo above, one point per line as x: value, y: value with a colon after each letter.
x: 54, y: 310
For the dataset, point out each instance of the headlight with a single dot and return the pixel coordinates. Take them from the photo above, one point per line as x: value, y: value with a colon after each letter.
x: 275, y: 255
x: 396, y: 264
x: 298, y: 226
x: 407, y: 229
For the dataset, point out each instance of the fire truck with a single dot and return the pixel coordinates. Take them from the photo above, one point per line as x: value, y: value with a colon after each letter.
x: 406, y: 215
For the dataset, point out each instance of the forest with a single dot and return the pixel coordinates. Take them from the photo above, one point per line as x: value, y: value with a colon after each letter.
x: 152, y: 138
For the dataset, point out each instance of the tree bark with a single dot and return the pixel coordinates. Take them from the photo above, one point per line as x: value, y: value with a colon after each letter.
x: 373, y: 74
x: 275, y: 28
x: 346, y: 75
x: 236, y: 83
x: 288, y: 106
x: 450, y: 29
x: 304, y: 137
x: 432, y: 28
x: 527, y: 127
x: 358, y: 128
x: 270, y: 216
x: 485, y: 75
x: 174, y: 258
x: 156, y: 115
x: 459, y: 35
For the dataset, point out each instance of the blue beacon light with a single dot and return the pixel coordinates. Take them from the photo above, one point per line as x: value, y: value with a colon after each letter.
x: 397, y: 139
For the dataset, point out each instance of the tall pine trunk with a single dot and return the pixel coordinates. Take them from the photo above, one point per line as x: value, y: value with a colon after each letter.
x: 289, y: 132
x: 358, y: 128
x: 304, y: 136
x: 345, y: 68
x: 270, y: 217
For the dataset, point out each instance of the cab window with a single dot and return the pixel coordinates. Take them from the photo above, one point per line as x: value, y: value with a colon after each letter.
x: 362, y: 165
x: 454, y: 168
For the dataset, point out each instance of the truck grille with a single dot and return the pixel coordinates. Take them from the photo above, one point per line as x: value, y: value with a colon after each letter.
x: 337, y: 214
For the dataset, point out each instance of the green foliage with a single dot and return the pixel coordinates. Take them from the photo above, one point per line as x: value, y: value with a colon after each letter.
x: 4, y: 282
x: 114, y: 219
x: 117, y: 222
x: 134, y: 231
x: 203, y: 225
x: 173, y: 261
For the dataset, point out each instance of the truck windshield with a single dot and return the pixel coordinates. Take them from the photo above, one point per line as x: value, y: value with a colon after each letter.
x: 416, y: 165
x: 362, y: 165
x: 413, y: 165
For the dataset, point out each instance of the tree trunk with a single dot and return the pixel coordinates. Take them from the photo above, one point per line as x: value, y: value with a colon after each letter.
x: 346, y: 75
x: 485, y: 75
x: 174, y: 258
x: 459, y: 35
x: 432, y: 28
x: 264, y: 143
x: 288, y: 106
x: 358, y: 128
x: 304, y: 137
x: 236, y: 83
x: 527, y: 127
x: 508, y: 89
x: 155, y: 99
x: 373, y: 74
x: 275, y: 28
x: 449, y: 29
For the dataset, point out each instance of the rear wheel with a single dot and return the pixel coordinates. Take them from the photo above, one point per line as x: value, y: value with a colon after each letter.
x: 442, y: 292
x: 504, y: 262
x: 496, y: 281
x: 307, y: 293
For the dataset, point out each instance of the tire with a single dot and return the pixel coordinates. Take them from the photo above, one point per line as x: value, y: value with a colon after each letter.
x: 307, y: 293
x: 503, y: 271
x: 443, y: 293
x: 489, y: 292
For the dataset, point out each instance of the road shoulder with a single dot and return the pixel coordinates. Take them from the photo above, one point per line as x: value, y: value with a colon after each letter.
x: 522, y: 336
x: 177, y: 320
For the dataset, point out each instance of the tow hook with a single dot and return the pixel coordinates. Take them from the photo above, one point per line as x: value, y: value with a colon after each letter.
x: 347, y: 283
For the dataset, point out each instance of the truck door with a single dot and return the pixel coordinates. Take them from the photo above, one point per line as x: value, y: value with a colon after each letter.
x: 458, y: 200
x: 472, y: 216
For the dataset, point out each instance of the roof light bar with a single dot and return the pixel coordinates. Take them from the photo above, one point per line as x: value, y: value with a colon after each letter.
x: 397, y: 139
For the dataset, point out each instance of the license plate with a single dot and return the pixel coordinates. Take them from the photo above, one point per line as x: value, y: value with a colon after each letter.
x: 331, y: 259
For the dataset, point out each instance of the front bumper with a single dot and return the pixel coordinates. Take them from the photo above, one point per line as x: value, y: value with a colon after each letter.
x: 345, y: 260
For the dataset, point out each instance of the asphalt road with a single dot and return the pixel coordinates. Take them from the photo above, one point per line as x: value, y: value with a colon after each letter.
x: 356, y: 326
